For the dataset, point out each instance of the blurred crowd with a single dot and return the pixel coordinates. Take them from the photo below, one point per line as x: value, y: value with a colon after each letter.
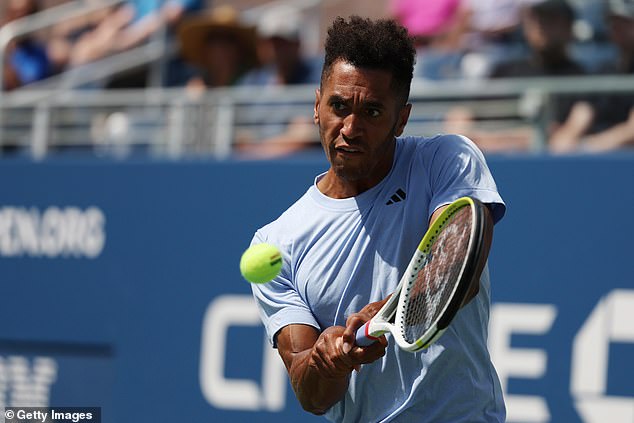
x: 455, y: 39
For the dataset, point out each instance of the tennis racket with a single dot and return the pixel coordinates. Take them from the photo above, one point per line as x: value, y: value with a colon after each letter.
x: 437, y: 280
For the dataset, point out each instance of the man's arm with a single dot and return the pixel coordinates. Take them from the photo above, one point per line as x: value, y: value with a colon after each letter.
x: 317, y: 365
x: 572, y: 134
x: 618, y: 136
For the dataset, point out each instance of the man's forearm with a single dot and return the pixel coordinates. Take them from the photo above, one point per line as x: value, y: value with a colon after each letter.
x: 315, y: 391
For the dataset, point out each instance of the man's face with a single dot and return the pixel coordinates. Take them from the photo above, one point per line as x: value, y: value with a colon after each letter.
x: 622, y: 32
x: 545, y: 33
x: 359, y: 115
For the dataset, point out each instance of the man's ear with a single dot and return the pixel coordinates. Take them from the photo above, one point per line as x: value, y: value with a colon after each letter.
x: 403, y: 117
x: 316, y: 108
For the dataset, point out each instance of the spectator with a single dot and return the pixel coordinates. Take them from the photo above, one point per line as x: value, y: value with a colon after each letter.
x: 150, y: 16
x: 438, y: 27
x: 620, y: 16
x: 290, y: 128
x: 219, y: 46
x: 280, y: 51
x: 114, y: 30
x: 494, y: 34
x: 63, y: 36
x: 25, y: 59
x: 497, y: 20
x: 93, y: 43
x: 605, y: 122
x: 547, y: 28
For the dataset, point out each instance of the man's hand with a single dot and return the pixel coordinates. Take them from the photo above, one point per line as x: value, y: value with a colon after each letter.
x: 317, y: 364
x: 355, y: 321
x: 330, y: 357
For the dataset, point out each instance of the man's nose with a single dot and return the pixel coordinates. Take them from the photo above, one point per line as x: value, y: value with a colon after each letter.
x: 352, y: 126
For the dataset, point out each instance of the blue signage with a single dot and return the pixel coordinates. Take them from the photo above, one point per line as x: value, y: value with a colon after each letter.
x: 121, y: 288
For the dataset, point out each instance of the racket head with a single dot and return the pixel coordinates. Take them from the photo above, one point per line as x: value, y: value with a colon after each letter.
x: 438, y: 278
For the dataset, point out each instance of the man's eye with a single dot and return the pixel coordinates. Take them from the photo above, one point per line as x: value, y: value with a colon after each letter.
x: 338, y: 105
x: 374, y: 112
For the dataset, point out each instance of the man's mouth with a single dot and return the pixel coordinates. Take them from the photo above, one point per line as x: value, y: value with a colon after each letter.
x: 348, y: 149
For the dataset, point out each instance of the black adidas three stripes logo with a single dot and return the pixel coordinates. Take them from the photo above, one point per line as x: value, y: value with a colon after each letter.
x: 399, y: 196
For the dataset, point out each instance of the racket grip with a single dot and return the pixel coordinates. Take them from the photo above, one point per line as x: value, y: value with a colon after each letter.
x: 363, y: 338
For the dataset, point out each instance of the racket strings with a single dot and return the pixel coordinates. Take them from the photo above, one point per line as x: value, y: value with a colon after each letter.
x: 432, y: 288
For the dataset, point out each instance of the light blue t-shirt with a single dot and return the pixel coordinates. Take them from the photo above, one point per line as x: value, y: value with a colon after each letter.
x: 341, y: 254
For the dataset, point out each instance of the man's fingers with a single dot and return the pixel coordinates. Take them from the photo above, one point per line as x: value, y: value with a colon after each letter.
x: 370, y: 353
x: 354, y: 322
x: 330, y: 359
x: 344, y: 344
x: 349, y: 335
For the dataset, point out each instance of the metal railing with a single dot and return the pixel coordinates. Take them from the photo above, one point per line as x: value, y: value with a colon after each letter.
x: 177, y: 122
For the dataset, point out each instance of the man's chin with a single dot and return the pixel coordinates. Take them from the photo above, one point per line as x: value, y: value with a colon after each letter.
x: 347, y: 171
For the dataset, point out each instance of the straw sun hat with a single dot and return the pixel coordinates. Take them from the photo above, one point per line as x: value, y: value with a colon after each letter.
x: 194, y: 32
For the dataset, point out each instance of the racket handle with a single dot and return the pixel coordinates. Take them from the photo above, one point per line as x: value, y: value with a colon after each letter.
x: 363, y: 338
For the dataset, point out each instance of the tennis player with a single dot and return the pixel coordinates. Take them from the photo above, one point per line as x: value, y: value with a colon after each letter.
x: 347, y: 240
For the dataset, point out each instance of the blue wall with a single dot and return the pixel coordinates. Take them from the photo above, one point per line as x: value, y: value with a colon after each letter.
x: 112, y: 272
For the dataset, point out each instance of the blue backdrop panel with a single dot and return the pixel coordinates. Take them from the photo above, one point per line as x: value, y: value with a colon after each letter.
x: 130, y: 324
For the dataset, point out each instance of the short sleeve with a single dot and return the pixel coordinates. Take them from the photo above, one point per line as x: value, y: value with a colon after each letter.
x: 278, y: 301
x: 457, y: 169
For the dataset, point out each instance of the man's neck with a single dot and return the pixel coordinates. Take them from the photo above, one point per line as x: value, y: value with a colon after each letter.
x: 334, y: 187
x: 338, y: 187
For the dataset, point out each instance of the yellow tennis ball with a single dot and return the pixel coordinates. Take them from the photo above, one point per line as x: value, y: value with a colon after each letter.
x: 260, y: 263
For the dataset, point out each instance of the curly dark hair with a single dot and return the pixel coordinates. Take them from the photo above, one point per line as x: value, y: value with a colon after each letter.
x: 381, y: 44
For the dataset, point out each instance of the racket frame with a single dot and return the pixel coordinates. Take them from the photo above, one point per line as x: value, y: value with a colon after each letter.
x: 391, y: 315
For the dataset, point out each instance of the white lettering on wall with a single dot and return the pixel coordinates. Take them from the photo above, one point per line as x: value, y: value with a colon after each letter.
x: 25, y: 385
x: 508, y: 319
x: 238, y: 394
x: 612, y: 320
x: 52, y: 232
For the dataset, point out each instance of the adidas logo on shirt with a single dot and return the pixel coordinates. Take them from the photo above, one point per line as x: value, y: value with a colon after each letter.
x: 397, y: 197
